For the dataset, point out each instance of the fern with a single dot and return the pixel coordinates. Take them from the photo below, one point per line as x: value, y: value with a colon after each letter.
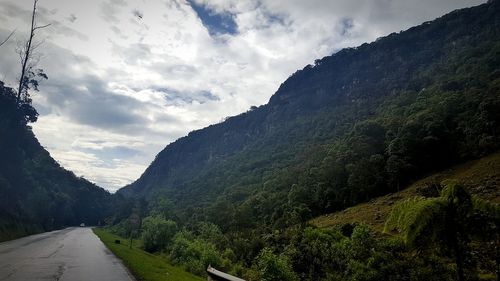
x: 417, y: 219
x: 422, y: 220
x: 486, y: 208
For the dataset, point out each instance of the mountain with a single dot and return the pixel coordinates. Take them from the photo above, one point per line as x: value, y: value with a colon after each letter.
x: 36, y: 193
x: 355, y: 125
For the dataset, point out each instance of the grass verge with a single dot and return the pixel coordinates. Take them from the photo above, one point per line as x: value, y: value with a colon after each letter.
x: 144, y: 266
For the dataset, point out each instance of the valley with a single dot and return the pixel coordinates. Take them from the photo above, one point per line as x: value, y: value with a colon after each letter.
x: 377, y: 162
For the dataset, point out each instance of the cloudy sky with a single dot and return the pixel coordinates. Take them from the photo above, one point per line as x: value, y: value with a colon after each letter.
x: 127, y: 77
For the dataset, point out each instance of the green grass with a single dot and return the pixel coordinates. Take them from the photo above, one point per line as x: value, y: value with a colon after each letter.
x: 143, y: 265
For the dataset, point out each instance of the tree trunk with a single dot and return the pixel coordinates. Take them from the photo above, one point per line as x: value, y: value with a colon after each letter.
x: 497, y: 260
x: 455, y: 243
x: 27, y: 54
x: 459, y: 249
x: 460, y: 264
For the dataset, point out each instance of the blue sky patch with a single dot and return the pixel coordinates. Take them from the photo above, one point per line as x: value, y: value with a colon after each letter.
x: 216, y: 23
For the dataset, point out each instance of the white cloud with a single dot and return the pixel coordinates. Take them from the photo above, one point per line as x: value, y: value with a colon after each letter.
x: 122, y: 86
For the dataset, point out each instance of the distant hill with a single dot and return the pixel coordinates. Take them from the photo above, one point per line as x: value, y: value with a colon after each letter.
x: 358, y: 124
x: 36, y: 193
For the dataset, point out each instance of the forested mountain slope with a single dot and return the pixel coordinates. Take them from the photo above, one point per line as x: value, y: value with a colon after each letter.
x: 482, y: 177
x: 358, y: 124
x: 36, y: 193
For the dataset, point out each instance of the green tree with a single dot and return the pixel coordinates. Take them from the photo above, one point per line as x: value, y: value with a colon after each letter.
x: 272, y: 267
x: 163, y: 207
x: 446, y: 222
x: 157, y: 233
x: 195, y: 254
x: 211, y: 233
x: 315, y: 253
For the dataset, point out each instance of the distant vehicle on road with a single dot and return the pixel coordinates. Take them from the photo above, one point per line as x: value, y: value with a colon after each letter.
x: 82, y: 225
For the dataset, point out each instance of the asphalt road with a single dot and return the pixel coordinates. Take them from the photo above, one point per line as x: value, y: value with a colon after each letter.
x: 71, y: 254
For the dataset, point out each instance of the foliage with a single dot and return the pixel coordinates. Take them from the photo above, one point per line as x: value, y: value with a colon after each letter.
x: 22, y: 114
x: 415, y: 218
x: 157, y: 233
x: 30, y: 83
x: 274, y: 268
x: 320, y: 254
x: 447, y: 222
x: 194, y: 253
x: 143, y: 265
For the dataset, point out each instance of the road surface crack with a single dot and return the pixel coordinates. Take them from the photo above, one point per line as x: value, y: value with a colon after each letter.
x: 60, y: 272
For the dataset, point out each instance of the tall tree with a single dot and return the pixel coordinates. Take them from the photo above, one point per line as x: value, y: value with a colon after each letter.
x: 29, y: 74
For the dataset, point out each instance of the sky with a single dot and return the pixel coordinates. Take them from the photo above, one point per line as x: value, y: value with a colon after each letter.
x: 128, y: 77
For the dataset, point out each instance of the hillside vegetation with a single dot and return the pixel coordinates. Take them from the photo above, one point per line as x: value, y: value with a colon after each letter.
x: 482, y: 177
x: 36, y: 193
x: 143, y: 265
x: 359, y: 124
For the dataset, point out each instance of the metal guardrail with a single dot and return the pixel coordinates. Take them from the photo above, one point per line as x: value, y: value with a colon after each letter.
x: 215, y: 275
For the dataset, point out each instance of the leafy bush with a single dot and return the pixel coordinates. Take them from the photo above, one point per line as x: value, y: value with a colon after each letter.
x: 157, y: 233
x: 196, y: 254
x: 272, y: 267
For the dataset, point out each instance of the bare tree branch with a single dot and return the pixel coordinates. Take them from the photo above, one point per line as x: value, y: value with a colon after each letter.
x: 8, y: 37
x: 43, y: 26
x: 26, y: 54
x: 35, y: 46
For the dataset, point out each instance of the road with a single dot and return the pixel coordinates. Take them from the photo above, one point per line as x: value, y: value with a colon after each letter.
x: 70, y: 254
